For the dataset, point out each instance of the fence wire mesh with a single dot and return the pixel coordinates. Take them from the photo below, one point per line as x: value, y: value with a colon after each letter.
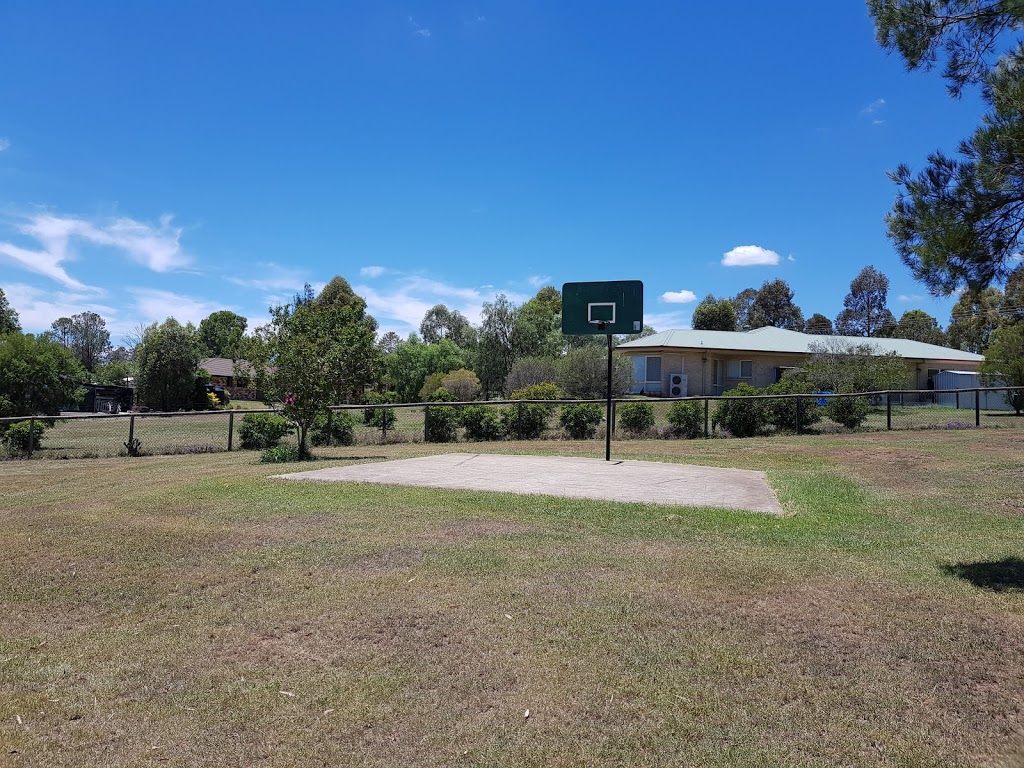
x: 98, y: 436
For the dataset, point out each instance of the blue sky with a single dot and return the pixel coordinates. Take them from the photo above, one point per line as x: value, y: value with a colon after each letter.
x: 175, y: 160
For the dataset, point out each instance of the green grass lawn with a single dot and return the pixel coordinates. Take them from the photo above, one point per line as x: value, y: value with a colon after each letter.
x: 188, y: 610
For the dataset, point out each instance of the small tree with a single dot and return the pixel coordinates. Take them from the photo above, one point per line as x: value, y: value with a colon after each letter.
x: 636, y: 418
x: 741, y: 416
x: 714, y: 315
x: 686, y: 418
x: 580, y: 420
x: 168, y: 360
x: 37, y: 375
x: 1004, y: 362
x: 583, y: 373
x: 528, y: 371
x: 463, y: 384
x: 312, y: 355
x: 837, y: 366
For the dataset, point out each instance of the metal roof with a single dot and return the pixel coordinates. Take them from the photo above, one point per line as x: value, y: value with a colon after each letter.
x: 779, y: 340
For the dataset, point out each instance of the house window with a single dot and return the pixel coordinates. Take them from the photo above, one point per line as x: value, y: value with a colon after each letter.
x: 654, y: 369
x: 740, y: 369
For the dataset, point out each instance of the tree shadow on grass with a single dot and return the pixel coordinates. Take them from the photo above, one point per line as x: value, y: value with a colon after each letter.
x: 1006, y: 575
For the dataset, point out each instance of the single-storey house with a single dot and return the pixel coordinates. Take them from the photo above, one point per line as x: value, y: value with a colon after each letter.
x: 222, y: 371
x: 691, y: 363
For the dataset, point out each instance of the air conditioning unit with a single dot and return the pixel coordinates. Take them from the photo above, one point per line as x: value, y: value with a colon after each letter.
x: 677, y: 385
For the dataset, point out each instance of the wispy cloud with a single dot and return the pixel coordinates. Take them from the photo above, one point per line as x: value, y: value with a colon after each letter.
x: 874, y: 106
x: 38, y: 307
x: 749, y: 256
x: 666, y: 321
x: 678, y: 297
x: 157, y: 246
x: 272, y: 277
x: 5, y: 143
x: 419, y: 30
x: 905, y: 297
x: 539, y: 281
x: 372, y: 271
x: 791, y: 257
x: 154, y: 306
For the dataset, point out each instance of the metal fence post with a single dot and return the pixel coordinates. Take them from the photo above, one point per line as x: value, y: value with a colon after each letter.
x: 799, y: 408
x: 231, y: 429
x: 707, y: 427
x: 977, y: 407
x: 426, y: 424
x: 131, y: 431
x: 958, y: 399
x: 31, y: 435
x: 614, y: 406
x: 330, y: 427
x: 888, y: 410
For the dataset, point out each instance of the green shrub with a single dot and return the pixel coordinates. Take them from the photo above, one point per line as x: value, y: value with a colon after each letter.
x: 442, y: 423
x: 741, y: 417
x: 260, y: 431
x: 848, y: 411
x: 482, y: 422
x: 21, y: 434
x: 580, y: 420
x: 376, y: 398
x: 280, y: 454
x: 342, y: 430
x: 788, y: 413
x: 686, y: 418
x: 636, y: 418
x: 527, y: 421
x: 384, y: 419
x: 442, y: 395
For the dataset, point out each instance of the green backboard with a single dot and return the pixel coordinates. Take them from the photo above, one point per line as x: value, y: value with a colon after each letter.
x: 612, y: 307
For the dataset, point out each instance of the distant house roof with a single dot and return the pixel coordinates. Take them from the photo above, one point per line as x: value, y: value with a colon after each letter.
x: 778, y: 340
x: 224, y: 366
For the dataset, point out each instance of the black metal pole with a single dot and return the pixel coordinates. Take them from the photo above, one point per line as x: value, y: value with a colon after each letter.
x: 888, y: 410
x: 231, y: 429
x: 977, y: 407
x: 608, y: 408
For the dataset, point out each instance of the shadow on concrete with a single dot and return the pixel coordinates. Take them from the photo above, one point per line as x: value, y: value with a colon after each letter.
x: 1006, y: 575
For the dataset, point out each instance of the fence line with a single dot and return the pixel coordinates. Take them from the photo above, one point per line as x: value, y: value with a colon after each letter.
x: 93, y: 435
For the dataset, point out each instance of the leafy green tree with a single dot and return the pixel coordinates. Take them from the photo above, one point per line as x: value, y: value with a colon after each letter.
x: 644, y: 332
x: 958, y: 223
x: 583, y: 374
x: 714, y: 315
x: 917, y: 325
x: 743, y: 303
x: 774, y: 306
x: 440, y: 322
x: 1004, y: 361
x: 312, y: 355
x: 408, y: 367
x: 496, y: 350
x: 8, y: 317
x: 838, y: 366
x: 865, y: 313
x: 86, y: 335
x: 973, y: 319
x: 537, y: 326
x: 819, y: 325
x: 337, y: 293
x: 389, y: 342
x: 221, y: 333
x: 115, y: 372
x: 1011, y: 307
x: 37, y: 375
x: 528, y: 371
x: 168, y: 361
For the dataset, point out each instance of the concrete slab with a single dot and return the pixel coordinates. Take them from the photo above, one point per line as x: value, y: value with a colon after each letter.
x: 647, y: 482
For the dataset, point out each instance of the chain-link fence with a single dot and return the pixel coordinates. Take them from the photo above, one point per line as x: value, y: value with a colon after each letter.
x: 136, y: 434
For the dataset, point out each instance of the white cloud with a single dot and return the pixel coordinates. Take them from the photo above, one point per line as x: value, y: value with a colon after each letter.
x: 37, y: 308
x: 749, y: 256
x: 5, y: 143
x: 372, y: 271
x: 905, y: 297
x: 874, y: 106
x: 666, y: 321
x: 156, y: 247
x: 154, y: 306
x: 539, y: 281
x: 273, y: 277
x: 678, y: 297
x: 421, y: 31
x: 791, y: 257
